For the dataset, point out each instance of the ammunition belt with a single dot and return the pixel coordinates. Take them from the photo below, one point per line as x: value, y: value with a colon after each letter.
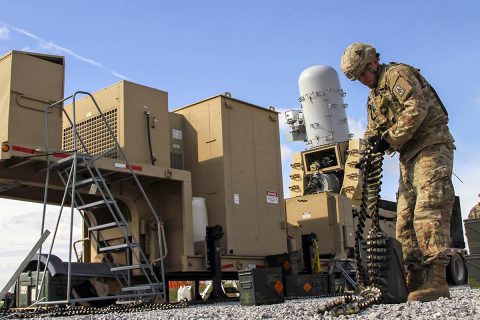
x: 50, y: 312
x: 368, y: 281
x: 327, y: 295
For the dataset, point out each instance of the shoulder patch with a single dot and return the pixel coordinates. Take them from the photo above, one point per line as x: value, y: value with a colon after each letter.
x: 399, y: 90
x: 402, y: 89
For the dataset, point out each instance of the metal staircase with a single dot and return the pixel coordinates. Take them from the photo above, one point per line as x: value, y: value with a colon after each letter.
x: 88, y: 192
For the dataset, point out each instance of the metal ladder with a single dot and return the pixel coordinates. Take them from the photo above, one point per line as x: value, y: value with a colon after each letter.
x: 68, y: 169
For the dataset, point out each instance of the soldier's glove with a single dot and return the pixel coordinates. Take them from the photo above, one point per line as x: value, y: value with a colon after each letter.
x: 379, y: 144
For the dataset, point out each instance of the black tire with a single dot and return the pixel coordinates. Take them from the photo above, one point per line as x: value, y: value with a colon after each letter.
x: 457, y: 270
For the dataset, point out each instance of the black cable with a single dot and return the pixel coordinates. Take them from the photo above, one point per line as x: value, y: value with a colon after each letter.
x: 152, y: 157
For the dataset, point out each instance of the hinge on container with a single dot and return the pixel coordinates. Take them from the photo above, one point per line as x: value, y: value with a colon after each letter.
x: 296, y: 165
x: 353, y: 176
x: 295, y: 176
x: 294, y: 188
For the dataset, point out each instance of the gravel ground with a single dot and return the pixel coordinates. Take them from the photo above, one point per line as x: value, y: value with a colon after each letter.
x: 464, y: 304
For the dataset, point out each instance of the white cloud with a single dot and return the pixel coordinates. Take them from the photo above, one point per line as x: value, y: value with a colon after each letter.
x: 357, y: 127
x: 286, y: 152
x: 27, y: 49
x: 4, y: 33
x: 21, y: 230
x: 121, y: 76
x: 53, y: 47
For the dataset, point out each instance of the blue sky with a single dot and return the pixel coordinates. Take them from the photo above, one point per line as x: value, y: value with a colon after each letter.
x: 256, y: 50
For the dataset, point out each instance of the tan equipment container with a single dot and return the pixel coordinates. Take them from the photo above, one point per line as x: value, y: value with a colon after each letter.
x: 233, y: 152
x: 327, y: 215
x: 30, y: 82
x: 125, y: 105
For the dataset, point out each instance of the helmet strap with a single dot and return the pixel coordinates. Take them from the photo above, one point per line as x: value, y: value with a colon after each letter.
x: 370, y: 68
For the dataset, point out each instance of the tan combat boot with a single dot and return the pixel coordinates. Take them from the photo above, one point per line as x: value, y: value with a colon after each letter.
x: 415, y: 279
x: 435, y: 285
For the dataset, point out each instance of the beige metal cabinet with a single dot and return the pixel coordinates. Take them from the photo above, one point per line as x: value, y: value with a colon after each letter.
x: 232, y: 149
x: 326, y: 214
x: 124, y: 105
x: 29, y: 83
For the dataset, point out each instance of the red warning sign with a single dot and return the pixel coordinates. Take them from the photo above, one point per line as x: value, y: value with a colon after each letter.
x: 272, y: 197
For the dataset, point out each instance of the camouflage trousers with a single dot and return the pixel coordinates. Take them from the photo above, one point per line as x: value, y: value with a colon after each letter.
x: 425, y: 201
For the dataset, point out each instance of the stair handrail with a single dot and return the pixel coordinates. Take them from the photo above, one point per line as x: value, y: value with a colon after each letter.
x: 59, y: 104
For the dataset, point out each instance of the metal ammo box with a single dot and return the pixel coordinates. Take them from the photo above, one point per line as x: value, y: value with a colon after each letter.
x: 261, y: 286
x: 55, y: 281
x: 53, y: 289
x: 307, y: 285
x: 473, y: 267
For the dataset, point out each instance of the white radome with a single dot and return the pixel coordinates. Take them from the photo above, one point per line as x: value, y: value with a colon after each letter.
x: 323, y: 108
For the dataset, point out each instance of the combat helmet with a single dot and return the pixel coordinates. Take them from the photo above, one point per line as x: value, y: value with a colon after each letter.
x: 356, y: 58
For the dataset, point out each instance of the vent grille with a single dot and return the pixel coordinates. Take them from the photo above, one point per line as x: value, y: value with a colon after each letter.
x: 176, y: 160
x: 94, y: 134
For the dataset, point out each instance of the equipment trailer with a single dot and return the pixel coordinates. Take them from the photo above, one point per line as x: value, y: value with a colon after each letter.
x: 131, y: 168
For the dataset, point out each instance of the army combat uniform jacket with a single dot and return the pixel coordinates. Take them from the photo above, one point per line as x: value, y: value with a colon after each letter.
x: 406, y: 111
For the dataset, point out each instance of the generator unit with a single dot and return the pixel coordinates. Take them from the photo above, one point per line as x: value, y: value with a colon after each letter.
x: 138, y: 116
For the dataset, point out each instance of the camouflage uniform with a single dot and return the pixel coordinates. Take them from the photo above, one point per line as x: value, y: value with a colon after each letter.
x: 475, y: 212
x: 405, y: 110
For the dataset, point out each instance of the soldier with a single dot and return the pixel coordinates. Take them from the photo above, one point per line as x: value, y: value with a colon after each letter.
x: 475, y: 211
x: 406, y: 115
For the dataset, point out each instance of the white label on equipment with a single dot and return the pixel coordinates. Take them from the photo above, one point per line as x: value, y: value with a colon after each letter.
x: 33, y: 294
x: 307, y: 215
x: 272, y: 197
x: 177, y: 134
x: 23, y: 289
x: 176, y: 146
x: 236, y: 198
x: 120, y: 165
x: 93, y: 189
x: 89, y: 114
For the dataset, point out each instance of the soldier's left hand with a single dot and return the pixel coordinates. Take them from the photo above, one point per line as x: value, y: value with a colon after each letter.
x: 380, y: 146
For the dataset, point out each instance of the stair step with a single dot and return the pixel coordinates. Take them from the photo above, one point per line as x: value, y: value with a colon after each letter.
x: 88, y: 181
x: 118, y: 247
x: 106, y: 226
x: 95, y: 205
x: 142, y: 287
x: 130, y: 299
x: 131, y: 267
x: 127, y: 301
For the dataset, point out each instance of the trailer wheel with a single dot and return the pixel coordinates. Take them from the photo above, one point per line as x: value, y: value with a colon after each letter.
x: 456, y: 270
